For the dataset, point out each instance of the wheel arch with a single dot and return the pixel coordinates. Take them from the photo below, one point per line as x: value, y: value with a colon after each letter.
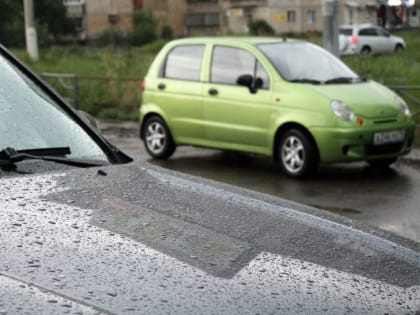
x: 145, y: 118
x: 399, y: 46
x: 287, y: 126
x: 366, y: 46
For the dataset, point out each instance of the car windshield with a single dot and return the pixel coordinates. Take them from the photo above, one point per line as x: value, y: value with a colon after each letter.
x: 30, y: 119
x: 306, y: 62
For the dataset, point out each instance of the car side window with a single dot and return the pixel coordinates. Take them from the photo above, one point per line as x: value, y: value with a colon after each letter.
x: 368, y: 32
x: 228, y: 63
x: 184, y: 63
x: 382, y: 32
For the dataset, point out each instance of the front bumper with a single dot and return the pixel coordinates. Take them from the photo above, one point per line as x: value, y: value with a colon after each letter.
x: 355, y: 144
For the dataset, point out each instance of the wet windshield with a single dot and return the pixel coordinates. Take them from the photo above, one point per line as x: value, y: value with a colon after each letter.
x: 29, y: 119
x: 305, y: 62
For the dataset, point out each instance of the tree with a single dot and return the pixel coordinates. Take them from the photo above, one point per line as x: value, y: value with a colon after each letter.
x: 12, y: 29
x: 50, y: 15
x: 50, y: 19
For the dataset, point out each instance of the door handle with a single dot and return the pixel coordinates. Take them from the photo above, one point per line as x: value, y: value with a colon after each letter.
x: 161, y: 86
x: 213, y: 92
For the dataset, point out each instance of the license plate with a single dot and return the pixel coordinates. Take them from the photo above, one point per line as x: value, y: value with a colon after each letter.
x: 394, y: 136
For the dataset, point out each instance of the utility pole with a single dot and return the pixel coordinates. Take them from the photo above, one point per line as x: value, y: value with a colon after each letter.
x: 30, y: 30
x: 330, y: 29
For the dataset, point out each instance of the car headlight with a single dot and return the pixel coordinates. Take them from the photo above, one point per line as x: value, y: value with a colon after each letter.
x: 403, y: 106
x: 342, y: 110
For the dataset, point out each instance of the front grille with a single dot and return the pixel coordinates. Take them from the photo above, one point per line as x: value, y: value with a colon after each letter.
x: 383, y: 149
x: 385, y: 121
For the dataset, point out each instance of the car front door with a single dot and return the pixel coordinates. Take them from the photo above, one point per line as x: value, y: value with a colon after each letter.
x: 235, y: 117
x: 384, y: 41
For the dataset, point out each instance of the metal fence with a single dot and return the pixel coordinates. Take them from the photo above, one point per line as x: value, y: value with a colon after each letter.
x: 102, y: 91
x: 70, y: 86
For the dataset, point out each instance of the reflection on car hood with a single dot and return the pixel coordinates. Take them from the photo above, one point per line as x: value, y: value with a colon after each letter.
x: 140, y: 239
x: 367, y: 99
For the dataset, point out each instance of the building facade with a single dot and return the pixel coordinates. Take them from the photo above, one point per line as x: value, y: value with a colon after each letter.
x: 218, y: 17
x: 95, y: 16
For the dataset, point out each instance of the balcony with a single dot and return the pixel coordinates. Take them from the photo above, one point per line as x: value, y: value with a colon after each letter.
x: 247, y: 3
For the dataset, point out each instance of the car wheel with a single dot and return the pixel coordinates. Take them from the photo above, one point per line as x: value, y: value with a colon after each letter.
x: 398, y: 48
x: 158, y: 139
x: 381, y: 163
x: 297, y: 154
x: 366, y: 51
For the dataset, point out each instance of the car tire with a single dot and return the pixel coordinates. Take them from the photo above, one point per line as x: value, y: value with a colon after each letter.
x: 398, y: 48
x: 157, y: 138
x: 297, y: 154
x: 366, y: 51
x: 381, y: 163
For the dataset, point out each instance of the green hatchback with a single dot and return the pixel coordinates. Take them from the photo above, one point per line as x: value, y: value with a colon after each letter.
x: 287, y: 99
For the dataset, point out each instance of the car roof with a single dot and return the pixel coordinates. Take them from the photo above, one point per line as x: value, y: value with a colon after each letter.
x: 358, y: 25
x: 250, y: 40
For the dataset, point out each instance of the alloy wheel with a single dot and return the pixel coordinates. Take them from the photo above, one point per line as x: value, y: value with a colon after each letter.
x: 155, y: 137
x: 293, y: 154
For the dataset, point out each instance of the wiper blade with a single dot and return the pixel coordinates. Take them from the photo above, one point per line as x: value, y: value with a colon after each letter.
x: 306, y: 80
x: 344, y: 80
x: 11, y: 156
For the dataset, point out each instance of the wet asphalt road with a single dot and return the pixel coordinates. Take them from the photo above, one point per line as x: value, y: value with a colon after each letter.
x: 389, y: 199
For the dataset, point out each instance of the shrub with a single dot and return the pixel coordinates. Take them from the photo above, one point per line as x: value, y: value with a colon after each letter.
x: 260, y: 27
x: 166, y: 32
x: 111, y: 37
x: 144, y: 28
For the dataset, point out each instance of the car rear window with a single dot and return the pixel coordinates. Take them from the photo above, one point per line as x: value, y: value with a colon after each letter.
x: 346, y: 31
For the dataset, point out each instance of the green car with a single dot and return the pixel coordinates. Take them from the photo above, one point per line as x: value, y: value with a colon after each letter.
x: 290, y: 100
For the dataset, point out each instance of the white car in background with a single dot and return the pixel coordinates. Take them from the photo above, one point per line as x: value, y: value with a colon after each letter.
x: 368, y: 39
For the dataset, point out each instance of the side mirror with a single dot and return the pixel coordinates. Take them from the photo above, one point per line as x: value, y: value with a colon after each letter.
x: 245, y: 80
x: 253, y: 84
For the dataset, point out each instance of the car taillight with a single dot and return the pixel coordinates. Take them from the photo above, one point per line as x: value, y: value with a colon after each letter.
x: 143, y: 85
x: 353, y: 40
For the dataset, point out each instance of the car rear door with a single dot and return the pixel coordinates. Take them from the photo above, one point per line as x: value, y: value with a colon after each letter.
x: 179, y: 91
x: 235, y: 117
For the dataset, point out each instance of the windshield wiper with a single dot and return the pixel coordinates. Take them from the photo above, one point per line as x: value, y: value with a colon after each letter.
x: 344, y: 80
x: 306, y: 80
x: 10, y: 156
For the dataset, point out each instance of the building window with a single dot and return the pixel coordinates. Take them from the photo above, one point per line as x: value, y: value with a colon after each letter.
x: 73, y: 2
x: 203, y: 19
x: 291, y: 16
x: 350, y: 17
x: 311, y: 16
x: 184, y: 63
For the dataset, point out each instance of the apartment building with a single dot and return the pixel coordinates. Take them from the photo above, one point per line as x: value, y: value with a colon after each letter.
x: 95, y: 16
x: 216, y: 17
